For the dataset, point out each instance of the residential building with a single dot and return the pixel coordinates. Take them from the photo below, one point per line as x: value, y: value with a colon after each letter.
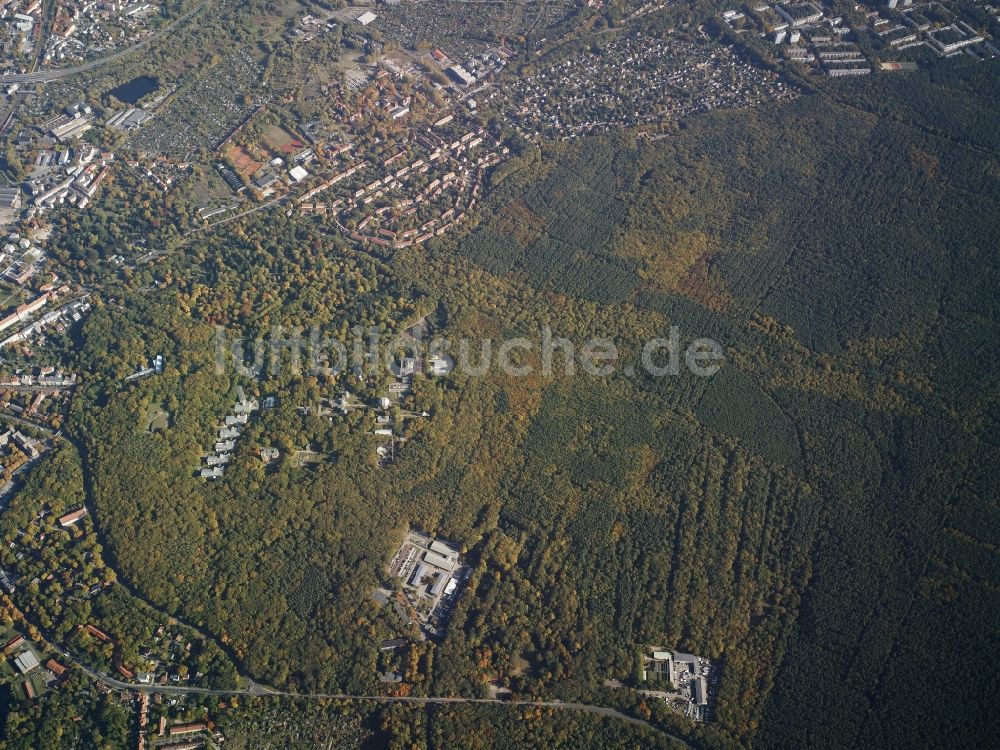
x: 71, y: 518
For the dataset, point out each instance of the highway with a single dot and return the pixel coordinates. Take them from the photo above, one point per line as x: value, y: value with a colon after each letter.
x: 55, y: 74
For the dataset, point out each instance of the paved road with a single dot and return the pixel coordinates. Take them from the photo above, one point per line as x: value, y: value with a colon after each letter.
x: 27, y: 423
x: 273, y: 202
x: 161, y: 251
x: 7, y: 491
x: 260, y: 690
x: 52, y: 75
x: 37, y: 388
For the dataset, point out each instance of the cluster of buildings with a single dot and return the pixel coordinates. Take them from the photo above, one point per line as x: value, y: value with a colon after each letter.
x: 385, y: 428
x: 655, y: 80
x: 309, y: 27
x: 20, y: 260
x: 178, y: 735
x: 378, y: 94
x: 410, y: 199
x: 160, y: 658
x: 950, y: 39
x: 359, y: 15
x: 69, y: 175
x: 129, y: 119
x: 959, y: 37
x: 82, y: 30
x: 279, y: 173
x: 63, y: 169
x: 229, y: 433
x: 839, y: 58
x: 74, y: 121
x: 432, y: 573
x: 34, y: 324
x: 17, y: 452
x: 27, y: 445
x: 895, y: 34
x: 843, y: 59
x: 168, y: 657
x: 184, y: 733
x: 31, y: 676
x: 472, y: 62
x: 687, y: 681
x: 143, y: 700
x: 391, y: 94
x: 22, y: 18
x: 807, y: 34
x: 465, y: 30
x: 476, y: 69
x: 40, y: 396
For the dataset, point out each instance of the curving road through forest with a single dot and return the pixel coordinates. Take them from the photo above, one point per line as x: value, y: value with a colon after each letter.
x: 259, y: 690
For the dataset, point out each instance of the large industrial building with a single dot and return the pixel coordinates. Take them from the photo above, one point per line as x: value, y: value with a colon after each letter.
x: 26, y: 661
x: 431, y: 571
x: 699, y: 690
x: 461, y: 75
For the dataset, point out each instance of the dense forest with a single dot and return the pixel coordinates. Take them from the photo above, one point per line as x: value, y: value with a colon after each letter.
x: 843, y: 248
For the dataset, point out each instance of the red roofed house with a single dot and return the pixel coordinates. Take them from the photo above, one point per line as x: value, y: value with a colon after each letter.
x: 188, y: 728
x: 71, y: 518
x: 55, y: 667
x: 98, y: 634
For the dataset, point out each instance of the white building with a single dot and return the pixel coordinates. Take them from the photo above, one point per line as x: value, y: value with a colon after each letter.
x: 26, y: 661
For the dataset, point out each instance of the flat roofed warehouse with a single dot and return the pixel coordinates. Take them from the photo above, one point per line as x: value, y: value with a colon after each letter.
x: 26, y: 661
x: 690, y: 660
x: 10, y: 197
x: 439, y: 583
x: 461, y: 75
x: 699, y: 690
x: 418, y: 575
x: 439, y: 561
x: 130, y: 119
x: 72, y: 128
x: 443, y: 549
